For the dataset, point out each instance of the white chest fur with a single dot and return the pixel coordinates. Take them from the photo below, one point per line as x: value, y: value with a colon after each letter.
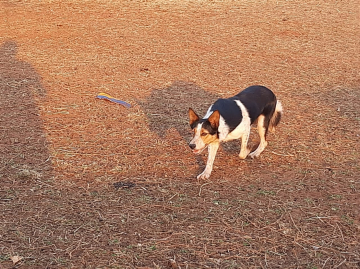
x: 239, y: 131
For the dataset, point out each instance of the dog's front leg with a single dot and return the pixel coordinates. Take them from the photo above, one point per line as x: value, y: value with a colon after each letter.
x: 213, y: 147
x: 244, y: 140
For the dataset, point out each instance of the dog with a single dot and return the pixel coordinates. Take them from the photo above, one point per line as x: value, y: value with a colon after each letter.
x: 229, y: 119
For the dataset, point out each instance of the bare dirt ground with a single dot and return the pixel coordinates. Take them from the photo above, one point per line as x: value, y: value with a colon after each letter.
x: 86, y: 183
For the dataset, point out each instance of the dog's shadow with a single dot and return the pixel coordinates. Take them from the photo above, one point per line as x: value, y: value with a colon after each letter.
x: 168, y: 108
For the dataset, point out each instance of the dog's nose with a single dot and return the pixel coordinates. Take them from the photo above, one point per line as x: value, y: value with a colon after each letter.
x: 192, y: 146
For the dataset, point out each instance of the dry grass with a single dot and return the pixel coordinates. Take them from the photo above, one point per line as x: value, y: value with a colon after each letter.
x: 62, y: 149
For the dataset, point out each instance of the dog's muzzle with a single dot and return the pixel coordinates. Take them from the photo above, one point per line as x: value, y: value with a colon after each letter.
x: 192, y: 146
x: 196, y: 151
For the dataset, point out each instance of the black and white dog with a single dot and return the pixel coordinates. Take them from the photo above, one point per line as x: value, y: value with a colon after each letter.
x: 229, y: 119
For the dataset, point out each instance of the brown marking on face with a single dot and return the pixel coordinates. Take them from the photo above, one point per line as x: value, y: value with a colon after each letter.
x: 192, y: 116
x: 206, y: 137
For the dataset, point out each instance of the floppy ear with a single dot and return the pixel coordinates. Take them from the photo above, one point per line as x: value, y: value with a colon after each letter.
x: 192, y: 116
x: 214, y: 119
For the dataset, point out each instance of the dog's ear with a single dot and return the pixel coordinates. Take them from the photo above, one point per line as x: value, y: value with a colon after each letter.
x: 214, y: 119
x: 192, y: 116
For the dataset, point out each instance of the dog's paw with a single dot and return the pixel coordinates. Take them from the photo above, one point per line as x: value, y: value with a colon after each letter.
x: 244, y: 154
x: 254, y: 154
x: 204, y: 175
x: 242, y: 157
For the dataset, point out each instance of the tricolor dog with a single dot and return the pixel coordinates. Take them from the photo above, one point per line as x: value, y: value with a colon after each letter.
x: 229, y: 119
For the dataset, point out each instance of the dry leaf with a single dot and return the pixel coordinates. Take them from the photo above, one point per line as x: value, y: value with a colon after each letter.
x: 173, y: 264
x: 16, y: 259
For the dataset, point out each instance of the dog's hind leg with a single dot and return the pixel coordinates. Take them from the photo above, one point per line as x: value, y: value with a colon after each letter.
x: 276, y: 117
x: 263, y: 124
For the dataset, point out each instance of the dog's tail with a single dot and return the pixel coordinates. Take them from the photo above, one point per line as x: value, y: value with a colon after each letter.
x: 276, y: 116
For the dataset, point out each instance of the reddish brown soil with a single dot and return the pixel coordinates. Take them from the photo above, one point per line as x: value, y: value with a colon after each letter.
x: 62, y: 150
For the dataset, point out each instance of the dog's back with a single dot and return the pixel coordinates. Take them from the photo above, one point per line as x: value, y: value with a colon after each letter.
x: 258, y: 100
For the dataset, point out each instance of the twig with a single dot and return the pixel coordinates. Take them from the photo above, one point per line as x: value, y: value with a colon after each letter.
x: 294, y: 222
x: 340, y: 231
x: 70, y: 252
x: 325, y: 262
x: 172, y: 197
x: 41, y: 182
x: 266, y: 264
x: 300, y: 245
x: 254, y: 224
x: 74, y: 232
x: 317, y: 217
x: 239, y: 257
x: 275, y: 253
x: 286, y: 155
x: 202, y: 186
x: 267, y: 226
x: 340, y: 263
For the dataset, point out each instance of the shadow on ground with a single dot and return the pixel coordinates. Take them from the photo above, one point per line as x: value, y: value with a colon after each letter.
x: 23, y: 145
x: 168, y: 109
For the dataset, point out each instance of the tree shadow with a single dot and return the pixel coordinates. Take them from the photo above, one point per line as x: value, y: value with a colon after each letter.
x: 23, y: 146
x: 168, y: 108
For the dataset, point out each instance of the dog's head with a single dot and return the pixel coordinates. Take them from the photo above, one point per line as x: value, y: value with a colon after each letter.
x: 205, y: 131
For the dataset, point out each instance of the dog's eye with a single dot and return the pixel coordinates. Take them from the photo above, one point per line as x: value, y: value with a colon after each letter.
x: 204, y: 134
